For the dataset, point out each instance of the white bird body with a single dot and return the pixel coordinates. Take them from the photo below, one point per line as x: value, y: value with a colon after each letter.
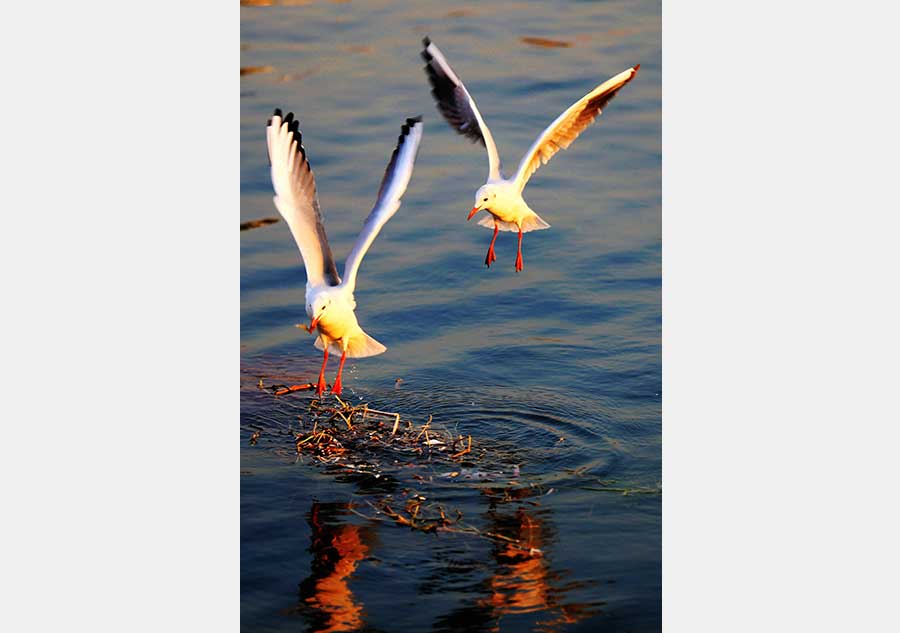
x: 502, y: 197
x: 330, y: 304
x: 506, y: 207
x: 338, y: 327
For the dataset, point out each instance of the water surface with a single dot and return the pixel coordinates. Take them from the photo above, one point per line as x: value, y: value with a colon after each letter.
x: 557, y: 368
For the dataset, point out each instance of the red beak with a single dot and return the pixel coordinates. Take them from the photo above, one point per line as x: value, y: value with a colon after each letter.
x: 472, y: 213
x: 312, y: 325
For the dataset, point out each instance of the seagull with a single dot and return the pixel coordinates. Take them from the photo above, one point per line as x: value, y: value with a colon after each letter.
x: 502, y: 197
x: 329, y: 301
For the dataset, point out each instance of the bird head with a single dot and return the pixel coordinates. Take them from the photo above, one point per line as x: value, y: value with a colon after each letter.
x: 316, y: 307
x: 484, y: 197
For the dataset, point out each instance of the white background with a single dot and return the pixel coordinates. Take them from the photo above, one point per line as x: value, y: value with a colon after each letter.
x: 120, y: 356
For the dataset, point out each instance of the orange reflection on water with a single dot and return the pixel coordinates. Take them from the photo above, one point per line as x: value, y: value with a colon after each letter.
x: 337, y: 551
x: 523, y: 581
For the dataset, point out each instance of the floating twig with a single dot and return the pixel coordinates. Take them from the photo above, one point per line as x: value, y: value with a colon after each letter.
x: 292, y: 388
x: 544, y: 42
x: 465, y: 451
x: 625, y: 491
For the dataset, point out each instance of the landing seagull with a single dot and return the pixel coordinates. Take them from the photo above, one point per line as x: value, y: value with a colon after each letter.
x: 329, y: 301
x: 499, y: 196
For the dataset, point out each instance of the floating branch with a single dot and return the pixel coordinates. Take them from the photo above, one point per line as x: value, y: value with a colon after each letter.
x: 293, y: 388
x: 255, y: 224
x: 544, y: 42
x: 626, y: 491
x: 253, y: 70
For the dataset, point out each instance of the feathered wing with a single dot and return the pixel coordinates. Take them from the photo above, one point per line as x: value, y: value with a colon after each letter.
x: 570, y: 124
x: 457, y: 106
x: 296, y: 198
x: 393, y: 186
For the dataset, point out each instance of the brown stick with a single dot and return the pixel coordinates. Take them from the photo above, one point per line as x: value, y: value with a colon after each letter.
x: 468, y: 449
x: 293, y: 388
x: 253, y: 224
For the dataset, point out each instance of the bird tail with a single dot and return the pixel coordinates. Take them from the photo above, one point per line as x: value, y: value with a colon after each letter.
x: 533, y: 222
x: 361, y: 345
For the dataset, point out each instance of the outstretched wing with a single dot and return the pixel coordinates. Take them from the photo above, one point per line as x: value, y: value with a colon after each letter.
x: 457, y: 106
x: 393, y: 186
x: 570, y: 124
x: 296, y: 199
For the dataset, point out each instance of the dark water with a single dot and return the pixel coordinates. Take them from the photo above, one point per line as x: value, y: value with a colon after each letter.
x: 570, y: 348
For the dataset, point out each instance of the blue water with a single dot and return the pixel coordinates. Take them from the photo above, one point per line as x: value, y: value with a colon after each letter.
x: 569, y: 348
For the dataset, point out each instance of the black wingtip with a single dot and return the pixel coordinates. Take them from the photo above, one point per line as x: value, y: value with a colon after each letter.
x: 277, y: 113
x: 289, y: 118
x: 426, y: 41
x: 405, y: 128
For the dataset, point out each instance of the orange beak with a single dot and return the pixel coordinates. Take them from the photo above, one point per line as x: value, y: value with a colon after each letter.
x: 472, y: 213
x: 312, y: 325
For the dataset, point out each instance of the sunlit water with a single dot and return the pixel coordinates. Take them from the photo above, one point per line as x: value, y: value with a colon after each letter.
x: 570, y: 348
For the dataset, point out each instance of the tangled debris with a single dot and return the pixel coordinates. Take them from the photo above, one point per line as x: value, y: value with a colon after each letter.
x: 380, y: 449
x: 361, y: 431
x: 364, y: 442
x: 367, y: 434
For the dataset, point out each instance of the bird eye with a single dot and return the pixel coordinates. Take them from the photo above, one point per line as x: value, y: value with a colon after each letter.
x: 485, y: 200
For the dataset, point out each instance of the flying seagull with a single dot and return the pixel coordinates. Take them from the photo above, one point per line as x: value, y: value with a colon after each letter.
x: 329, y: 300
x: 499, y: 196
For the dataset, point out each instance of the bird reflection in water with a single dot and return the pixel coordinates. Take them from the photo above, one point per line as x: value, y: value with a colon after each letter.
x: 521, y: 581
x: 325, y: 597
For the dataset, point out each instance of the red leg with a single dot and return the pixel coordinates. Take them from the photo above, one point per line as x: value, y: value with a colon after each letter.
x: 519, y: 254
x: 336, y: 389
x: 320, y: 386
x: 491, y: 257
